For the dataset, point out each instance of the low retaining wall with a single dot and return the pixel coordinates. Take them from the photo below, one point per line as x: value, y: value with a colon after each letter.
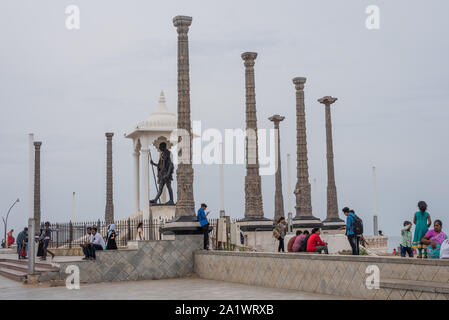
x: 329, y: 274
x: 156, y: 259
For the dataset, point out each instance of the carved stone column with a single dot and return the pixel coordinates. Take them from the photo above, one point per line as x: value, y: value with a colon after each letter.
x: 253, y: 188
x: 37, y: 185
x: 254, y: 216
x: 332, y: 220
x: 185, y: 220
x: 278, y: 197
x: 185, y: 205
x: 109, y: 210
x: 304, y: 217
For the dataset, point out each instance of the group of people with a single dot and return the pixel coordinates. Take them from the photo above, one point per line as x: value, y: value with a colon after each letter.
x: 302, y: 242
x: 433, y: 243
x: 44, y: 241
x: 95, y: 241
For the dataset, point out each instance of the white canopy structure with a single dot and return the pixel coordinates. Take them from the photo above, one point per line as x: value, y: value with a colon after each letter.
x: 155, y: 129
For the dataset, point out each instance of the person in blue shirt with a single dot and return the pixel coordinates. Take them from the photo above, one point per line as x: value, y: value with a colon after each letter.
x: 202, y: 218
x: 352, y: 237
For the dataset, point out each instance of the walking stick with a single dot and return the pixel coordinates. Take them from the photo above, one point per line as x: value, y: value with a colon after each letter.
x: 154, y: 176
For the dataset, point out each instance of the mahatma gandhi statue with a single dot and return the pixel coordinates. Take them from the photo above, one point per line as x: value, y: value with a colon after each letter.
x: 165, y: 170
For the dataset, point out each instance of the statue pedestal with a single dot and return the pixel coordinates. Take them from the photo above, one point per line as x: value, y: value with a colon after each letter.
x: 258, y: 232
x: 306, y: 222
x: 161, y: 212
x: 256, y: 224
x: 333, y: 224
x: 182, y: 226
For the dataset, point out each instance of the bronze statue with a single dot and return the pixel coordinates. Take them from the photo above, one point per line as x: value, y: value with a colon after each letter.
x: 165, y: 170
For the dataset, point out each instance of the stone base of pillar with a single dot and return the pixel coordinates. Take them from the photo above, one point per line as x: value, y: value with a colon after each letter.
x: 222, y: 213
x: 307, y: 222
x: 182, y: 225
x: 255, y: 224
x: 162, y: 212
x: 333, y: 224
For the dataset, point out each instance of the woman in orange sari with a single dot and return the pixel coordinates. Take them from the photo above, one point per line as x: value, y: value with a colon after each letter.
x: 10, y: 240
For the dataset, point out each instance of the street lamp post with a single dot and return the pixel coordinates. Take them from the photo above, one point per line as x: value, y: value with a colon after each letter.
x: 5, y: 221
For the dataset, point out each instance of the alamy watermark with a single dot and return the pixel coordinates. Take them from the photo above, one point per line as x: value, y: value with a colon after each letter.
x: 372, y: 21
x: 373, y: 279
x: 211, y: 146
x: 72, y: 21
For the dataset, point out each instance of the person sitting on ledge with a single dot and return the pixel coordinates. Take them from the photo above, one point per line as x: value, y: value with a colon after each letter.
x: 97, y: 243
x: 299, y: 241
x: 315, y: 244
x: 292, y: 241
x: 433, y: 239
x: 86, y: 243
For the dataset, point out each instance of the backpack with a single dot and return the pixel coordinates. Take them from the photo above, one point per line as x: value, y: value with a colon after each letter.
x: 303, y: 247
x: 276, y: 233
x: 357, y: 225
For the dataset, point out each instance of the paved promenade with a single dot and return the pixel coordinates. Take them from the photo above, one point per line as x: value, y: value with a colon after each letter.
x: 170, y: 289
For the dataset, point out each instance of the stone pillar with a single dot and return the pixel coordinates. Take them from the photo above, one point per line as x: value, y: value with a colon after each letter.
x: 185, y: 221
x: 136, y: 156
x: 221, y: 175
x: 185, y: 205
x: 146, y: 184
x: 332, y: 220
x: 304, y: 217
x: 254, y: 216
x: 37, y: 185
x: 109, y: 210
x: 278, y: 198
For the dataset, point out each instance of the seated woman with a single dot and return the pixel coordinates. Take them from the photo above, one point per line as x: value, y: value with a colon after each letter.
x: 299, y: 241
x: 315, y: 244
x: 433, y: 239
x: 111, y: 243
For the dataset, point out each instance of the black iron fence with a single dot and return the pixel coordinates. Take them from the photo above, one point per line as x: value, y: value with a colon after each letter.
x: 73, y: 234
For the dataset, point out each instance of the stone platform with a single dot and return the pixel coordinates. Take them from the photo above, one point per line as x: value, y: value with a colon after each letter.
x: 400, y: 279
x: 152, y: 259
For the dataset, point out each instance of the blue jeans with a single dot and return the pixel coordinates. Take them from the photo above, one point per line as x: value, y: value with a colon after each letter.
x: 354, y: 242
x: 405, y: 250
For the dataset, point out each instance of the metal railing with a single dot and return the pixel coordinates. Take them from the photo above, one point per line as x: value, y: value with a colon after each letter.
x: 73, y: 234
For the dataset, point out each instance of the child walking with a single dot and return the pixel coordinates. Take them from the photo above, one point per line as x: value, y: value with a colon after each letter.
x: 406, y: 242
x: 422, y: 221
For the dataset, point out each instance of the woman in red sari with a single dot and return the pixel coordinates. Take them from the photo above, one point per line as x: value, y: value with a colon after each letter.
x: 10, y: 240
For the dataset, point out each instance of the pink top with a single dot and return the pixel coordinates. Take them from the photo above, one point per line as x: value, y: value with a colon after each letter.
x: 298, y: 241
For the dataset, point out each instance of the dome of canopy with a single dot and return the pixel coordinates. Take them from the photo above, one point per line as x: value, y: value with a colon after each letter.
x: 161, y: 119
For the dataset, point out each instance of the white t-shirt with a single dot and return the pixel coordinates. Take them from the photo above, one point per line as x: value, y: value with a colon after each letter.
x: 98, y: 239
x: 139, y: 235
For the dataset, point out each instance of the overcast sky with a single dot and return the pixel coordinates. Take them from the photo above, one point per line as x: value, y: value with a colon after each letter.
x: 69, y: 87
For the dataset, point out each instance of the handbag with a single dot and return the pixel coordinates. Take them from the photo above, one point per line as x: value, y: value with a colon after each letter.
x: 23, y: 252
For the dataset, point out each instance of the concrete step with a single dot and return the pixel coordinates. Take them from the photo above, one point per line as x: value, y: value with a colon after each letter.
x: 24, y: 263
x: 13, y: 274
x: 18, y: 269
x: 24, y: 267
x: 415, y: 285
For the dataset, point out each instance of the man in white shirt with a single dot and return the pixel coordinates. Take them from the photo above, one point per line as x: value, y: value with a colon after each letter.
x: 86, y: 244
x: 96, y: 243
